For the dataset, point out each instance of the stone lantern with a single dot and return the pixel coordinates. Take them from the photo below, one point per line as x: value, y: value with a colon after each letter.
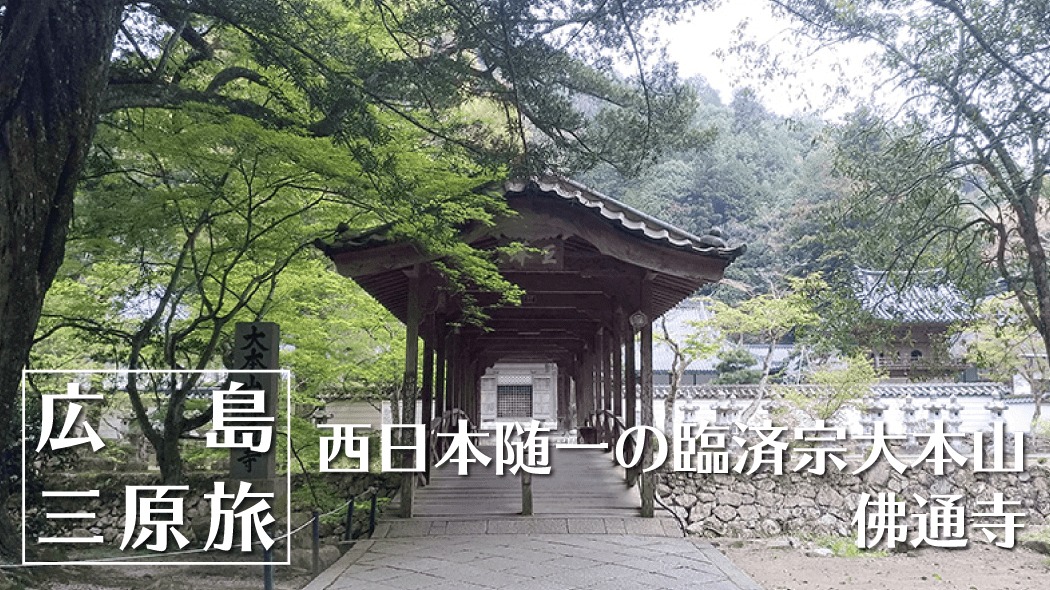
x: 934, y: 413
x: 873, y: 410
x: 727, y: 411
x: 912, y: 423
x: 996, y: 410
x: 689, y: 410
x: 954, y: 421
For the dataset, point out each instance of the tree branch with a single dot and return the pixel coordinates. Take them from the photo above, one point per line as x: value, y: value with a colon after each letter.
x: 230, y: 74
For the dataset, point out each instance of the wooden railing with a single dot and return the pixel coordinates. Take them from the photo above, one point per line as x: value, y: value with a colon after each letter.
x: 445, y: 424
x: 609, y: 428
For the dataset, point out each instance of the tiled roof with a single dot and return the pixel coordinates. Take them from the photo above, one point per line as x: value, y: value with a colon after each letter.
x: 628, y: 217
x: 882, y: 390
x: 928, y: 299
x: 624, y: 216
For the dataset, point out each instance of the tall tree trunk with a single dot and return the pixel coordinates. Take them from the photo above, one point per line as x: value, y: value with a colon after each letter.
x: 169, y: 459
x: 763, y: 382
x: 1025, y: 206
x: 677, y: 372
x: 55, y: 56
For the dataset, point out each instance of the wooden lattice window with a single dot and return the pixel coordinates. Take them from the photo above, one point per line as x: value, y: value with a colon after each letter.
x: 514, y: 401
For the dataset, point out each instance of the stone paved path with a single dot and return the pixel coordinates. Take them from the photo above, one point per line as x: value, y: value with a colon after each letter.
x: 533, y: 562
x: 467, y: 534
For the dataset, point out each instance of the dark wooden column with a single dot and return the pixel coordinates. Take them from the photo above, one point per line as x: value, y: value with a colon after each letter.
x: 461, y: 370
x: 643, y: 320
x: 631, y: 377
x: 408, y: 393
x: 601, y: 367
x: 596, y: 380
x: 599, y: 371
x: 439, y: 371
x: 473, y: 392
x: 607, y: 362
x: 647, y: 488
x: 617, y: 386
x: 428, y: 394
x: 584, y: 388
x: 574, y: 393
x: 452, y: 376
x: 560, y: 397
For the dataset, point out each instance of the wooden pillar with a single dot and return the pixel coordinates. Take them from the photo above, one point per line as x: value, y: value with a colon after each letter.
x: 476, y: 389
x: 471, y: 390
x: 647, y: 488
x: 408, y: 394
x: 618, y: 395
x: 600, y: 371
x: 573, y: 404
x: 563, y: 398
x: 574, y: 396
x: 607, y: 362
x: 439, y: 372
x: 428, y: 383
x: 596, y: 376
x: 595, y: 357
x: 631, y: 377
x: 584, y: 393
x: 428, y: 395
x: 454, y: 368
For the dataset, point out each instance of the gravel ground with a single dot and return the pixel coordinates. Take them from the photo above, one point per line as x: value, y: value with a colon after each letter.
x: 780, y: 565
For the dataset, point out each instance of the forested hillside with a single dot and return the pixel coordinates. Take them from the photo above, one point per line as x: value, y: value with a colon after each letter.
x: 761, y: 178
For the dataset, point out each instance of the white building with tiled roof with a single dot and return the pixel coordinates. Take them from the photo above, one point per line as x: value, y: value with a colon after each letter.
x: 680, y: 322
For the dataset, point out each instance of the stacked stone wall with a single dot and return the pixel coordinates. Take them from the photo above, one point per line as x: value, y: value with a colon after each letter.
x: 798, y: 503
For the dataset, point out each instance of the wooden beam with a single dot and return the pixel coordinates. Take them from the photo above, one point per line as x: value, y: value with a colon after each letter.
x: 527, y: 318
x: 534, y: 299
x: 370, y: 261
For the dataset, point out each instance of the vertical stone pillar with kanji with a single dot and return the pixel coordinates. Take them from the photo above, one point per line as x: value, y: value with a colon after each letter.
x: 256, y: 348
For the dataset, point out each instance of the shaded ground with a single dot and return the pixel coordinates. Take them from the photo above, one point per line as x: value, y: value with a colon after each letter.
x: 151, y: 577
x: 776, y: 565
x: 165, y: 578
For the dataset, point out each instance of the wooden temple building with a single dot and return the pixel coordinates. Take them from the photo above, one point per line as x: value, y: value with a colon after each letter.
x: 596, y: 274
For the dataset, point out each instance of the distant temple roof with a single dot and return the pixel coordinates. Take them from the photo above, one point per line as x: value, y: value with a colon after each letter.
x: 931, y: 300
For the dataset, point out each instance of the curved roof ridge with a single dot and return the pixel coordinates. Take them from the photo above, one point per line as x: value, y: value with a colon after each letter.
x: 626, y: 216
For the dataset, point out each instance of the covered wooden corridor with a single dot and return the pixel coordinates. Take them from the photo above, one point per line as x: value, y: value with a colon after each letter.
x: 596, y: 274
x: 582, y: 483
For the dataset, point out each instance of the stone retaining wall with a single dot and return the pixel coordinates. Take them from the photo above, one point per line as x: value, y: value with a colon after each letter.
x: 798, y: 503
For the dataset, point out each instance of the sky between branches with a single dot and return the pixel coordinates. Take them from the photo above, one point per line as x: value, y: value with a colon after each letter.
x: 694, y: 43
